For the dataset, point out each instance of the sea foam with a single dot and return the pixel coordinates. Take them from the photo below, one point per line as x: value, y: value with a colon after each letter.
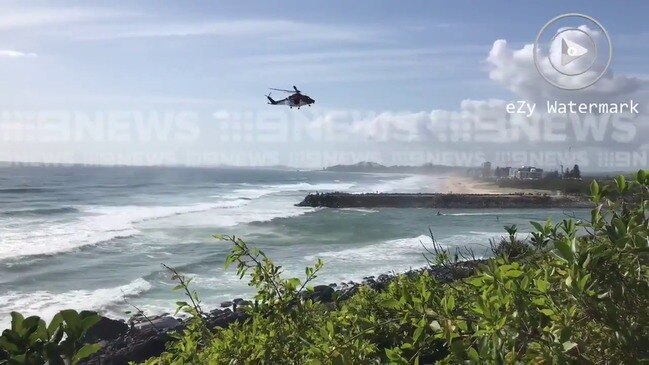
x: 46, y: 304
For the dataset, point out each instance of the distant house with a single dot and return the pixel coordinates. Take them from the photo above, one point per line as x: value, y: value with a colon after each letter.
x: 529, y: 173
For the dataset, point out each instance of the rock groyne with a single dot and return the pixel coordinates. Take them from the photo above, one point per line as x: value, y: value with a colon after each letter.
x: 439, y: 200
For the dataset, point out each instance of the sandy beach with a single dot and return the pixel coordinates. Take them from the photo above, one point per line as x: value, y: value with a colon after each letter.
x: 466, y: 185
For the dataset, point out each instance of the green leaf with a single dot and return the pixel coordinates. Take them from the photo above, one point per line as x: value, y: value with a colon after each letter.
x: 568, y: 280
x: 450, y: 304
x: 31, y: 321
x: 536, y: 226
x: 417, y: 334
x: 17, y: 322
x: 594, y: 188
x: 620, y: 181
x: 73, y: 323
x: 84, y: 352
x: 393, y: 354
x: 473, y: 355
x: 583, y: 281
x: 293, y: 283
x: 57, y: 334
x: 542, y: 285
x: 547, y: 311
x: 89, y: 321
x: 477, y: 282
x: 513, y: 273
x: 390, y: 303
x: 55, y: 323
x: 641, y: 176
x: 567, y: 346
x: 539, y: 301
x: 563, y: 250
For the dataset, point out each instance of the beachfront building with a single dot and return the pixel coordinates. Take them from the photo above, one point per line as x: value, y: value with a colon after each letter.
x: 505, y: 172
x: 529, y: 173
x: 486, y: 169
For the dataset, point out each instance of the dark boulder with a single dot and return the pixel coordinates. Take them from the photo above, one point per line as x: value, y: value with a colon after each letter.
x: 226, y: 304
x: 322, y: 293
x: 134, y: 346
x: 152, y: 343
x: 105, y: 330
x: 159, y: 323
x: 224, y: 318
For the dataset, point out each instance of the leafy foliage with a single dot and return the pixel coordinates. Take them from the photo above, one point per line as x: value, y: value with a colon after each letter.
x: 511, y: 246
x: 578, y: 295
x: 30, y: 341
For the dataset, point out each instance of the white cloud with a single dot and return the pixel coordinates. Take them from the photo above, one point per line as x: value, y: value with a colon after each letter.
x: 515, y: 70
x: 9, y: 53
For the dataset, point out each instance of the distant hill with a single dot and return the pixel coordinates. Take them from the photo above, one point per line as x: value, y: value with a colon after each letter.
x: 377, y: 167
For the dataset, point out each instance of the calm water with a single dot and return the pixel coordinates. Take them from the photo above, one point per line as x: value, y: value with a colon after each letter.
x: 86, y: 237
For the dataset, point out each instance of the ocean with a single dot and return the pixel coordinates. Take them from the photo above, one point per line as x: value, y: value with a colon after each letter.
x: 91, y: 237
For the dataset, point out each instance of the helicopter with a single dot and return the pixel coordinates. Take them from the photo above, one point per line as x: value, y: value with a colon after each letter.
x: 296, y: 99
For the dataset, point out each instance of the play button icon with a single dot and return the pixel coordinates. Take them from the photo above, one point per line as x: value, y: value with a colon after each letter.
x: 571, y: 51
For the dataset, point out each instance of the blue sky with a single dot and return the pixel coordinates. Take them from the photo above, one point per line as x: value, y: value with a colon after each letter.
x: 381, y: 56
x: 412, y: 55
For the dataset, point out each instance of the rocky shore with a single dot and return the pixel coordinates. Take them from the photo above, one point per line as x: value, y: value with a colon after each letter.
x: 440, y: 200
x: 141, y: 338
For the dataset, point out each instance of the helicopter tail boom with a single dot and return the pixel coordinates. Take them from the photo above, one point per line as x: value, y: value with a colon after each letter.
x: 271, y: 101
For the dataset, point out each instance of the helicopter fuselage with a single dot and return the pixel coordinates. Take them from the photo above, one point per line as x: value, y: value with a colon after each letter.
x: 296, y: 99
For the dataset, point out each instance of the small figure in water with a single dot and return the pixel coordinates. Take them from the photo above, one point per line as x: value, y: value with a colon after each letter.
x: 497, y: 219
x: 439, y: 213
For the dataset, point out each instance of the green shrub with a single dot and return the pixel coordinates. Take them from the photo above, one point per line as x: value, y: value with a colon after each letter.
x: 30, y: 341
x: 510, y: 247
x: 574, y: 298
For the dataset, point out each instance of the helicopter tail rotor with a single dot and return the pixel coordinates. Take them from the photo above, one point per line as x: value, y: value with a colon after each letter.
x: 270, y: 100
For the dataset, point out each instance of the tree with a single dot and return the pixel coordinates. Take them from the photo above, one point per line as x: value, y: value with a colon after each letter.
x: 552, y: 175
x: 575, y: 172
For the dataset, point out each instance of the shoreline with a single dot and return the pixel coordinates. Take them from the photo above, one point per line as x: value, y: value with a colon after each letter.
x: 455, y: 184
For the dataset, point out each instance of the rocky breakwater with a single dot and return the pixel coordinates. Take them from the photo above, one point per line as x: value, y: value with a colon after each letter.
x: 438, y: 200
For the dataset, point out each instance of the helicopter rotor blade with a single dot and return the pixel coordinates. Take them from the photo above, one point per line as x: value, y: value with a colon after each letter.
x: 296, y: 90
x: 284, y: 90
